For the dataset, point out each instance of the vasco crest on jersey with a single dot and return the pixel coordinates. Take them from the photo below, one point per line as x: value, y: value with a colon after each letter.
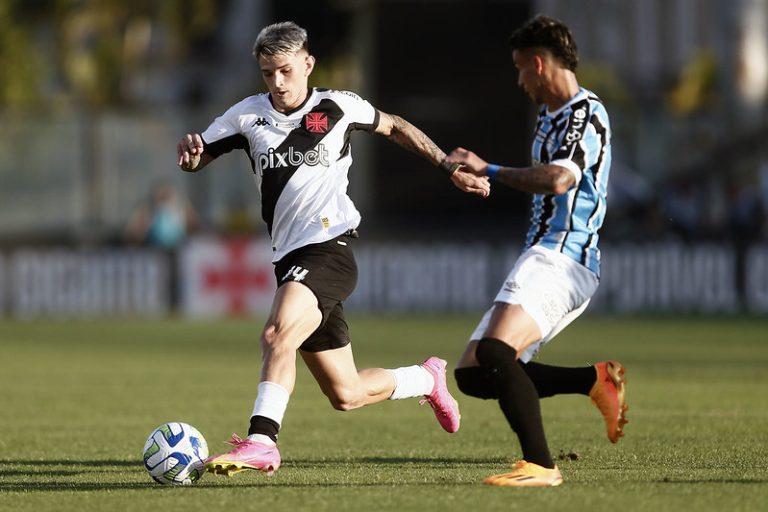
x: 316, y: 122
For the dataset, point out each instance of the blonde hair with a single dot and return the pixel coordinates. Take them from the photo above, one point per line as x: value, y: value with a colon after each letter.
x: 279, y: 38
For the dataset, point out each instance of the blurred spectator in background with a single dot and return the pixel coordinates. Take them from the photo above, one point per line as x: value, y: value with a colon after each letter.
x: 164, y: 220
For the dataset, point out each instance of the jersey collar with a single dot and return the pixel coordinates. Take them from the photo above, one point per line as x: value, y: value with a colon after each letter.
x: 579, y: 96
x: 310, y: 92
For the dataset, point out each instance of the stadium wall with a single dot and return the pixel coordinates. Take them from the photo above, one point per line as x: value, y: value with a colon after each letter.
x: 215, y: 277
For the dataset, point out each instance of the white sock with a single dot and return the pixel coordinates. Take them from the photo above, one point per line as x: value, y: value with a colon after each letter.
x: 261, y: 438
x: 411, y: 381
x: 271, y: 401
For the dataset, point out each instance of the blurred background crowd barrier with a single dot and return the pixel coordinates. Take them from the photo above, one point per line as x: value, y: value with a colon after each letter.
x: 96, y: 219
x: 222, y: 277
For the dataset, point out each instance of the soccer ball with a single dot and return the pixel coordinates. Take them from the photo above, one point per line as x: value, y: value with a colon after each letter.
x: 174, y: 454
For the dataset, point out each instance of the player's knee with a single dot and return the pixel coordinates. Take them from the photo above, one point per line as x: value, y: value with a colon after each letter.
x: 475, y: 381
x: 342, y: 405
x: 465, y: 380
x: 272, y: 339
x: 344, y: 399
x: 493, y: 353
x: 269, y: 335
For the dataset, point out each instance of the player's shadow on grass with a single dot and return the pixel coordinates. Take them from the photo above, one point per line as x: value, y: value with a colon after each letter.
x: 74, y: 486
x: 20, y: 472
x: 50, y: 474
x: 441, y: 462
x: 64, y: 462
x: 713, y: 481
x: 261, y: 481
x: 40, y: 468
x: 51, y: 478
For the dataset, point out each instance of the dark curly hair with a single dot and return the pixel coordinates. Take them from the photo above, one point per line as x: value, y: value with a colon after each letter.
x: 545, y: 32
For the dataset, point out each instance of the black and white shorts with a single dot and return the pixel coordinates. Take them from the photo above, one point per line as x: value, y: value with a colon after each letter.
x: 329, y: 270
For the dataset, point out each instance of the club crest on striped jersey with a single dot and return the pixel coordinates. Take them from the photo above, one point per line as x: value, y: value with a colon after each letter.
x: 316, y: 122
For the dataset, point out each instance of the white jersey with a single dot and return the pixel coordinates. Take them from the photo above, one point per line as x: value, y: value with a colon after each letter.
x: 300, y: 161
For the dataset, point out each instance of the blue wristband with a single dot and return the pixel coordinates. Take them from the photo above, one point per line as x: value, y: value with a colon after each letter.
x: 491, y: 170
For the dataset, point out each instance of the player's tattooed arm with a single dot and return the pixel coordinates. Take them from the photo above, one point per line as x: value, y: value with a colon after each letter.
x: 403, y: 133
x: 539, y: 179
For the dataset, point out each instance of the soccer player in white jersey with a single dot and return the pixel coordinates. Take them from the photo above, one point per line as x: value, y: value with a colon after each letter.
x: 554, y: 278
x: 297, y: 139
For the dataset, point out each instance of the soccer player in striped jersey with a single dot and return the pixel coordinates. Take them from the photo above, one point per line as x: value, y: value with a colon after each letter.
x: 557, y: 273
x: 298, y: 142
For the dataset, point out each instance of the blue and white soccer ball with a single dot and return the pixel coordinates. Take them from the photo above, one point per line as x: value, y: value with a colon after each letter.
x: 174, y: 454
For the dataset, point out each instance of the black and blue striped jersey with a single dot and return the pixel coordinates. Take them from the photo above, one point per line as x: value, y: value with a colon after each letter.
x: 577, y: 136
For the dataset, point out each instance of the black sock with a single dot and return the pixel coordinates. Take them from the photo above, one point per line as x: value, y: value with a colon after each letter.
x: 559, y: 380
x: 265, y: 426
x: 476, y: 381
x: 518, y: 399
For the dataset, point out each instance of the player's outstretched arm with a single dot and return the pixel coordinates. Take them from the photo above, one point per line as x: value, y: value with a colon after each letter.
x: 539, y: 179
x: 191, y: 157
x: 404, y: 134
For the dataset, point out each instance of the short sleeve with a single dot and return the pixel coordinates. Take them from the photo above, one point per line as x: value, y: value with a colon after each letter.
x: 362, y: 114
x: 223, y: 135
x: 580, y: 145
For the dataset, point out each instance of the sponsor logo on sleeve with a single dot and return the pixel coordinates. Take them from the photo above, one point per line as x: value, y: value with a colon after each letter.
x: 577, y: 125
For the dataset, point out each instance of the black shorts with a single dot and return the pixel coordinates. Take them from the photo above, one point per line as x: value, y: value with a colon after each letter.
x: 329, y: 270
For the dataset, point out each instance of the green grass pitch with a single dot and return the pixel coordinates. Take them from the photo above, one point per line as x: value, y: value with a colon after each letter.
x: 79, y: 398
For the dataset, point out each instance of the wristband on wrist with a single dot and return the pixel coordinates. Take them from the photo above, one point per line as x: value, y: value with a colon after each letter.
x: 448, y: 168
x: 491, y: 170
